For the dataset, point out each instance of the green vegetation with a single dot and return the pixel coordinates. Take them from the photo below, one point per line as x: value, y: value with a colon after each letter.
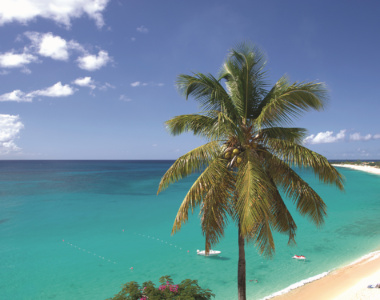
x: 187, y: 290
x: 249, y: 154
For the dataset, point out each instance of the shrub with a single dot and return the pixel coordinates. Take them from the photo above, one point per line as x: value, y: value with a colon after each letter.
x: 187, y: 290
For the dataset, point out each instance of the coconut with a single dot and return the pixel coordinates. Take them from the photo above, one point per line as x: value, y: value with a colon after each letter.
x: 236, y: 151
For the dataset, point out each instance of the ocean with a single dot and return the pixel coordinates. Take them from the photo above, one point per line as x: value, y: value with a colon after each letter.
x: 81, y: 229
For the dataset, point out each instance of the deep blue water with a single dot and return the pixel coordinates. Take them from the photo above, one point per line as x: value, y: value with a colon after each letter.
x: 73, y: 230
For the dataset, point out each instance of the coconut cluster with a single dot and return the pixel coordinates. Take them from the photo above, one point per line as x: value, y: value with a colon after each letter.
x: 233, y: 155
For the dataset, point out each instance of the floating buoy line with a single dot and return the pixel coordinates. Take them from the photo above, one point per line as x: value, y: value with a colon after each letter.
x: 153, y: 238
x: 89, y: 252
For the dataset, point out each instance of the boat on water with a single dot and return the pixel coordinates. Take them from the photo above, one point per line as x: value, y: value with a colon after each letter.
x: 300, y: 257
x: 210, y: 253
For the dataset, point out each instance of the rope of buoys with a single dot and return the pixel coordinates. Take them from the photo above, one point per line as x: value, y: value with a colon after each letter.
x: 160, y: 240
x: 89, y: 252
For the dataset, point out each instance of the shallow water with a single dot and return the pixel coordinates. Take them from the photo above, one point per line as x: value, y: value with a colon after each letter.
x: 73, y: 230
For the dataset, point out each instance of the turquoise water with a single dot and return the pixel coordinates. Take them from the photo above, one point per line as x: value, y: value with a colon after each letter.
x: 73, y: 230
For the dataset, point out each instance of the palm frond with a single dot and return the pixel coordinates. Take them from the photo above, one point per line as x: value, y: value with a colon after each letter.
x: 307, y: 201
x: 299, y: 156
x: 281, y: 219
x: 295, y: 135
x: 213, y: 125
x: 287, y: 101
x: 216, y: 206
x: 243, y: 71
x: 253, y: 192
x: 207, y: 90
x: 193, y: 161
x: 216, y: 181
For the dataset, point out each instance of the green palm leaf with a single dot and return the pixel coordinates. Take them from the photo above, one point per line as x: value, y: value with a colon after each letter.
x: 193, y: 161
x: 300, y: 156
x: 287, y: 101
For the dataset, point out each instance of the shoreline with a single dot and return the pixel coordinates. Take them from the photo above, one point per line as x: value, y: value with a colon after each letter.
x: 368, y: 169
x: 349, y: 282
x: 344, y: 283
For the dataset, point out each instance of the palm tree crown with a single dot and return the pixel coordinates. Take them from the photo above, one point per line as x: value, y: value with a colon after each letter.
x: 250, y: 152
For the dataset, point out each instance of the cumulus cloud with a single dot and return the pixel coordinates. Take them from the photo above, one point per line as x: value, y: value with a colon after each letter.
x: 142, y: 29
x: 358, y: 137
x: 91, y: 62
x: 10, y: 126
x: 85, y: 81
x: 329, y: 137
x: 56, y: 90
x: 53, y: 46
x: 61, y: 11
x: 16, y: 95
x: 325, y: 137
x: 16, y: 60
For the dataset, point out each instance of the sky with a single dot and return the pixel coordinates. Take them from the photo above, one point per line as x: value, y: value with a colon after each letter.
x: 95, y: 79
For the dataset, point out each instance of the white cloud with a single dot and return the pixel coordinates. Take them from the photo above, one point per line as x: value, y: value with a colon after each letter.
x: 49, y: 45
x: 61, y: 11
x: 358, y: 137
x: 16, y: 95
x: 93, y: 62
x: 325, y: 137
x: 53, y: 46
x: 142, y: 29
x: 13, y: 60
x: 10, y: 126
x: 329, y: 137
x: 85, y: 81
x: 136, y: 83
x: 56, y: 90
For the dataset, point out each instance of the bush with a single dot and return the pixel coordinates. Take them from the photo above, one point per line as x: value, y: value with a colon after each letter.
x: 187, y: 290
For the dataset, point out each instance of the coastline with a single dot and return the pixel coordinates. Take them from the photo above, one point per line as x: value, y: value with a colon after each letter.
x: 367, y: 169
x: 346, y: 283
x: 349, y: 282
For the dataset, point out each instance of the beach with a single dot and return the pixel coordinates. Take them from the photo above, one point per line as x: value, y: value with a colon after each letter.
x: 363, y: 168
x: 347, y: 283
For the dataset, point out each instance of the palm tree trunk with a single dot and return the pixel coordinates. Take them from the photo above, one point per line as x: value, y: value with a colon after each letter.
x: 241, y: 269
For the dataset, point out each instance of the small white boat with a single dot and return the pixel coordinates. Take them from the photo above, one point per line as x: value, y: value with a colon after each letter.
x: 300, y: 257
x: 210, y: 253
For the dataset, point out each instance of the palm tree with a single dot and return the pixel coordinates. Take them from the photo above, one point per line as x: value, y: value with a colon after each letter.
x: 248, y: 158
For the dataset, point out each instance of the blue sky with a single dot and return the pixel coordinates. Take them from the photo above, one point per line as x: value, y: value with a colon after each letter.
x: 84, y: 79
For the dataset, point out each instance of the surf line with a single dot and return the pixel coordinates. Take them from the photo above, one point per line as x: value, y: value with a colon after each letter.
x: 88, y: 252
x: 159, y: 240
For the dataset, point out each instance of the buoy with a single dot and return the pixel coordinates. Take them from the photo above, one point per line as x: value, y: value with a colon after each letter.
x: 123, y: 230
x: 63, y: 240
x: 131, y: 268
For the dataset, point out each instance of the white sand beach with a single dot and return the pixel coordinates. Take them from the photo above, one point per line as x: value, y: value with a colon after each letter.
x: 367, y: 169
x: 347, y: 283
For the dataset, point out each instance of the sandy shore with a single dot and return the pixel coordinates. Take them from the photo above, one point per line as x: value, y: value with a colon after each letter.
x: 367, y: 169
x: 347, y: 283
